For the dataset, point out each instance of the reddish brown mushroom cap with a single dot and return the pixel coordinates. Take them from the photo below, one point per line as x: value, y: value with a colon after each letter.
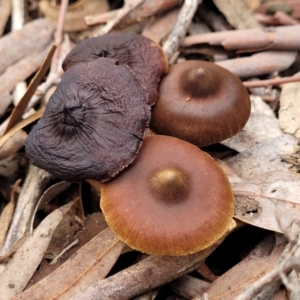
x: 142, y: 55
x: 94, y: 123
x: 173, y: 200
x: 200, y: 102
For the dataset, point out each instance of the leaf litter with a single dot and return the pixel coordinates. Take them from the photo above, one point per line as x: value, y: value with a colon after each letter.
x: 262, y: 166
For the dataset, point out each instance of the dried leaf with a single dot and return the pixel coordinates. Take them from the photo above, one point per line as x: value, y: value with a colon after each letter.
x: 261, y: 126
x: 7, y: 213
x: 19, y: 110
x: 289, y: 112
x: 153, y: 270
x: 237, y: 13
x: 91, y: 263
x: 233, y: 282
x: 263, y: 157
x: 48, y: 195
x: 13, y: 144
x: 27, y: 258
x: 265, y: 212
x: 21, y: 125
x: 270, y: 200
x: 92, y: 225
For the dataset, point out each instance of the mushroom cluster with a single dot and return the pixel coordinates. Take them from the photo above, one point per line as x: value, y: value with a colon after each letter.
x: 170, y: 197
x: 96, y: 119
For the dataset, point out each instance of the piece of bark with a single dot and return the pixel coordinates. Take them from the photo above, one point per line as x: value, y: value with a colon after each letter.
x: 237, y: 13
x: 278, y: 38
x: 14, y: 46
x: 260, y: 63
x: 18, y: 72
x: 149, y: 8
x: 5, y: 10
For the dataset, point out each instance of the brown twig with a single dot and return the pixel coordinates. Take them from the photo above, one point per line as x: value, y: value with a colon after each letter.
x: 55, y: 69
x: 270, y: 82
x: 128, y: 7
x: 184, y: 20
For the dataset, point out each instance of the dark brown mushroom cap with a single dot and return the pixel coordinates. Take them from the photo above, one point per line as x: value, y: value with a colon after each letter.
x: 142, y: 55
x: 200, y: 102
x: 173, y: 200
x: 93, y: 125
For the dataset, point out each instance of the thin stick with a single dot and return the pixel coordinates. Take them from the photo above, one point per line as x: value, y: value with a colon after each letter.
x: 55, y: 70
x: 122, y: 14
x: 183, y: 22
x: 269, y: 82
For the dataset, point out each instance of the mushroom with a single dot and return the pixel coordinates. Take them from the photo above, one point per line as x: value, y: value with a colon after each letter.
x: 200, y: 102
x: 142, y: 55
x: 94, y: 123
x: 172, y: 200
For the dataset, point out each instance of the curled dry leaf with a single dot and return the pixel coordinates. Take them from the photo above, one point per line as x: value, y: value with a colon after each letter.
x: 289, y: 112
x: 48, y: 195
x: 234, y: 281
x: 20, y: 268
x: 91, y: 263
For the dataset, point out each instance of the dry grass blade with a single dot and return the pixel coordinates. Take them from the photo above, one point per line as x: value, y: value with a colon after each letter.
x: 91, y: 263
x: 27, y: 258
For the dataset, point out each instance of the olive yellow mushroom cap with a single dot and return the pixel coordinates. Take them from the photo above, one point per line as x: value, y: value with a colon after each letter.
x: 173, y: 200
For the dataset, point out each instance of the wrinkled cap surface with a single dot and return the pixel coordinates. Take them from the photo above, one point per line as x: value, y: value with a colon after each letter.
x: 142, y: 55
x: 172, y: 200
x: 93, y: 124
